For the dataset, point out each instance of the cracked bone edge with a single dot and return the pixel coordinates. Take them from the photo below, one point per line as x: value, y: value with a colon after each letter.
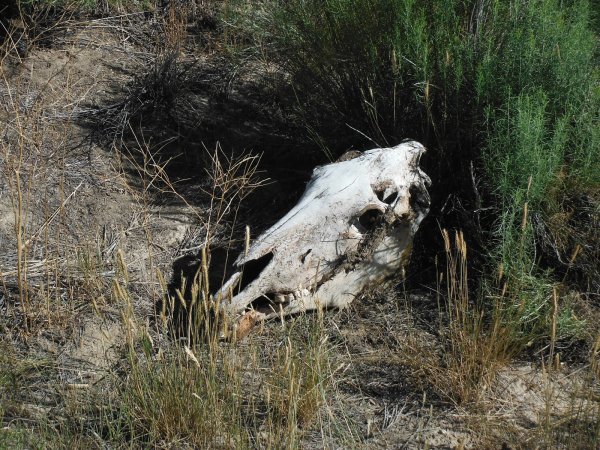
x: 246, y: 323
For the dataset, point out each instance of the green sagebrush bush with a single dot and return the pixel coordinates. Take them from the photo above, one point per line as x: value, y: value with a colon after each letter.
x: 511, y: 85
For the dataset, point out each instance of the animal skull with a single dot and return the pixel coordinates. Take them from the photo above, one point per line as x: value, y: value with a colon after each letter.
x: 353, y: 227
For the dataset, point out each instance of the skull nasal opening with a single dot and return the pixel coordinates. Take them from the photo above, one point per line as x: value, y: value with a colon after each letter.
x: 419, y: 198
x: 253, y: 268
x: 370, y: 219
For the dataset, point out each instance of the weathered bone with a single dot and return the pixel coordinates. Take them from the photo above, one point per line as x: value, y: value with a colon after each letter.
x: 353, y: 227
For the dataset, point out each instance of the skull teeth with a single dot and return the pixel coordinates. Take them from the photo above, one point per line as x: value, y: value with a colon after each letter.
x: 289, y: 297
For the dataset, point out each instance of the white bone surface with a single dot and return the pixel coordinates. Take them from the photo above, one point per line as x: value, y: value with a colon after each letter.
x: 321, y: 254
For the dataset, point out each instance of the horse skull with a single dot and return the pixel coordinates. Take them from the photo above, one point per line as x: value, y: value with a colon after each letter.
x: 353, y: 227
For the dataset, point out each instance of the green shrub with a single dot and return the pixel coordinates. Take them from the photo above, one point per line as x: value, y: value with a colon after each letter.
x: 510, y: 85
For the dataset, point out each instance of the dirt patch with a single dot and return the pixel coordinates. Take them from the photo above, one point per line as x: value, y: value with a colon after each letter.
x: 96, y: 349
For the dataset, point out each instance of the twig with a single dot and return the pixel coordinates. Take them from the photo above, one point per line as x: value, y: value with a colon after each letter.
x: 362, y: 134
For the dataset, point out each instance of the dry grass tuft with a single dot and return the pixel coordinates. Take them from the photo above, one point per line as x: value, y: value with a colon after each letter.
x: 473, y: 346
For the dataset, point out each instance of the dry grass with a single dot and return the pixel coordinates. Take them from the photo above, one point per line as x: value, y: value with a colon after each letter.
x: 471, y: 345
x: 145, y: 387
x: 468, y: 369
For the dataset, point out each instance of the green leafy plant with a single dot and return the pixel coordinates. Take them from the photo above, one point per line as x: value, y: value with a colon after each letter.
x: 510, y: 87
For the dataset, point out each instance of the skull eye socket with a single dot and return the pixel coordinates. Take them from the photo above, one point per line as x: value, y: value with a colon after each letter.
x: 385, y: 196
x: 253, y: 268
x: 370, y: 219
